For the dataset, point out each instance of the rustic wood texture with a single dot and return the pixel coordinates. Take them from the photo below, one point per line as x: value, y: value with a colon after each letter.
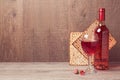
x: 53, y: 71
x: 38, y: 30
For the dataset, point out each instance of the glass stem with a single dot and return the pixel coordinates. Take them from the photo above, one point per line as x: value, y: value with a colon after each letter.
x: 90, y: 61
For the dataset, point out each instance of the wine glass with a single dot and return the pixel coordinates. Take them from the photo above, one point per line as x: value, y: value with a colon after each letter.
x: 90, y: 46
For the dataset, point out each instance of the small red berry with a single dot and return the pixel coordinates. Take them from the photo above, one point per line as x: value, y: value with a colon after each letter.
x: 76, y: 71
x: 82, y: 72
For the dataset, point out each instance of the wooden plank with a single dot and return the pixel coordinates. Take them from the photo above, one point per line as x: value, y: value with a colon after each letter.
x: 36, y: 28
x: 11, y: 25
x: 58, y: 33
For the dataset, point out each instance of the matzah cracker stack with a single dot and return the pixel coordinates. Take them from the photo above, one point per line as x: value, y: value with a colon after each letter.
x: 76, y: 57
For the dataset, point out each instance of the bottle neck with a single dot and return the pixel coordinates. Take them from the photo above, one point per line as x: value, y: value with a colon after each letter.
x: 101, y: 23
x: 102, y: 16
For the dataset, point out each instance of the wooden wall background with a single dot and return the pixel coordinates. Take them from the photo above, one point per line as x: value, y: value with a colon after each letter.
x: 38, y: 30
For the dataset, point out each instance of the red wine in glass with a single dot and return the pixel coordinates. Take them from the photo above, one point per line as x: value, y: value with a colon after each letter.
x: 90, y: 47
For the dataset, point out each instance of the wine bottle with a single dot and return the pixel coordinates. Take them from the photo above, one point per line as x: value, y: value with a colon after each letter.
x: 101, y: 58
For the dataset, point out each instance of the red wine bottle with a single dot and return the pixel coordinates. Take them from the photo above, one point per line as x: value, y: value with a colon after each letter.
x: 101, y: 58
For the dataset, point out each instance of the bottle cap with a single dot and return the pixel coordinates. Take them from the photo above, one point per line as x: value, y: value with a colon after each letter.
x: 102, y: 9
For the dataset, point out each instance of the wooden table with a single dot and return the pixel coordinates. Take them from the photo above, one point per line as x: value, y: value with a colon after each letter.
x: 53, y: 71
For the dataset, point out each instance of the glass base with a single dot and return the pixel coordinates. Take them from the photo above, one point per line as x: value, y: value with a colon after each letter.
x: 90, y: 70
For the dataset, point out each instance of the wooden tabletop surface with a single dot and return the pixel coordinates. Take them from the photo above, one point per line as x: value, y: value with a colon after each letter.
x: 52, y: 71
